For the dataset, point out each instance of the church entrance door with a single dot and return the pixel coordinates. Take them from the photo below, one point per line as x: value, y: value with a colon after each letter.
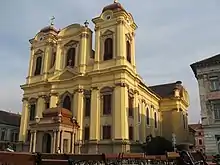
x: 46, y: 143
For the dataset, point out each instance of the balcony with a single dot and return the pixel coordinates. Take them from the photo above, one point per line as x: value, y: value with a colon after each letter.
x: 215, y: 95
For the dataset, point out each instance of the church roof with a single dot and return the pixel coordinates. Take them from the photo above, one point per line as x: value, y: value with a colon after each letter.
x: 165, y: 90
x: 56, y: 111
x: 116, y: 6
x: 9, y: 118
x: 214, y: 60
x: 195, y: 126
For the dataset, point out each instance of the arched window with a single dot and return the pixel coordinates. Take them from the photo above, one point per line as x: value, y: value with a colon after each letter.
x: 70, y: 59
x: 108, y: 49
x: 130, y: 106
x: 67, y: 103
x: 147, y: 116
x: 128, y: 49
x: 139, y: 114
x: 38, y: 66
x: 106, y: 93
x: 155, y: 119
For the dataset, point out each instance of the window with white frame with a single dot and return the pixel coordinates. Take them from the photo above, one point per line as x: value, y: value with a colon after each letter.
x: 214, y: 83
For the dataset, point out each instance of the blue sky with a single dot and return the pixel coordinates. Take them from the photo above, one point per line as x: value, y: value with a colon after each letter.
x: 172, y: 34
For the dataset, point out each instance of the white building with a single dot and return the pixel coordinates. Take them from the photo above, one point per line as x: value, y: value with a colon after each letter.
x: 207, y: 73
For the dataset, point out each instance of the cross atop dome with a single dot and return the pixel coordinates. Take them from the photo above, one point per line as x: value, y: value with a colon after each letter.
x: 115, y: 1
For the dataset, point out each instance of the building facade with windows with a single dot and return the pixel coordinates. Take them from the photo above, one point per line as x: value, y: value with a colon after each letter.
x: 207, y: 73
x: 114, y: 108
x: 9, y: 129
x: 198, y: 137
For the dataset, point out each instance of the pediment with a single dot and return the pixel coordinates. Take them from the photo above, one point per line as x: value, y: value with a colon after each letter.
x: 71, y: 43
x: 39, y: 51
x: 65, y: 75
x: 108, y: 32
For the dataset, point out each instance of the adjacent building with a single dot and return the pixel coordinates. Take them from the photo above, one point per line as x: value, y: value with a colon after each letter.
x: 9, y: 128
x: 112, y: 109
x: 198, y: 137
x: 207, y: 73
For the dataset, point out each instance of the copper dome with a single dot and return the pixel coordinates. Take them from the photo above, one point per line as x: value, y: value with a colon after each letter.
x: 49, y: 28
x: 115, y: 7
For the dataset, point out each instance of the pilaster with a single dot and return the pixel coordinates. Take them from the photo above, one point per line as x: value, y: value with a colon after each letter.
x: 95, y: 115
x: 143, y: 121
x: 53, y: 99
x: 47, y: 55
x: 24, y: 119
x: 59, y: 59
x: 54, y: 141
x: 97, y: 48
x: 78, y: 109
x: 31, y: 66
x: 34, y: 141
x: 31, y: 143
x: 61, y: 141
x: 120, y: 112
x: 120, y: 42
x: 83, y: 51
x: 136, y: 114
x: 133, y: 54
x: 40, y: 106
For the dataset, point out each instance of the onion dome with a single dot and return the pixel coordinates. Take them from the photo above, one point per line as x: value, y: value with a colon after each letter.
x: 48, y: 29
x: 116, y: 6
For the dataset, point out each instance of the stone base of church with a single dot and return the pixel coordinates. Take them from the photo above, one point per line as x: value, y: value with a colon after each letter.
x: 110, y: 146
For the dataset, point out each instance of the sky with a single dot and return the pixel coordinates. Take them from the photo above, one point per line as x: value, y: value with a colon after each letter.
x: 171, y: 35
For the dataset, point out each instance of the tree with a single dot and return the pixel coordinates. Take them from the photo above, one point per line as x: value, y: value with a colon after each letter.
x: 157, y: 145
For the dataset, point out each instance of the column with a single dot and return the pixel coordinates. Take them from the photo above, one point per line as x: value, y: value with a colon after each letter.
x: 83, y: 51
x: 95, y: 115
x: 136, y: 114
x: 34, y: 141
x: 24, y: 119
x: 78, y: 110
x: 58, y: 140
x: 31, y: 143
x: 120, y: 42
x: 59, y: 58
x: 40, y: 106
x: 61, y: 141
x: 120, y: 111
x: 97, y: 48
x: 73, y: 143
x: 53, y: 99
x: 47, y: 57
x: 54, y: 141
x: 31, y: 66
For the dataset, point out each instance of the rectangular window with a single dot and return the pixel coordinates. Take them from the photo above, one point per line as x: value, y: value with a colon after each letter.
x: 155, y: 119
x: 29, y: 135
x: 86, y: 133
x: 87, y: 106
x: 216, y: 108
x: 214, y: 83
x: 148, y: 116
x: 32, y: 112
x: 200, y: 142
x: 107, y: 102
x: 106, y: 133
x: 131, y: 132
x: 130, y: 106
x: 16, y: 137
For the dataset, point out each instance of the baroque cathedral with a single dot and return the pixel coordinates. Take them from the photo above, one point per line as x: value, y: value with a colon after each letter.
x: 83, y: 100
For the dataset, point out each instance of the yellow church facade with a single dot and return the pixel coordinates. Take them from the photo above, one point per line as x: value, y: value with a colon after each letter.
x: 113, y: 107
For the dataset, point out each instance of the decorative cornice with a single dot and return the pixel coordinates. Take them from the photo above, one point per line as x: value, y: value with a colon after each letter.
x: 120, y: 21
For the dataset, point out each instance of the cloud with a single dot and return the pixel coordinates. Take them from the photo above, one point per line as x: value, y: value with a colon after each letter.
x: 171, y: 35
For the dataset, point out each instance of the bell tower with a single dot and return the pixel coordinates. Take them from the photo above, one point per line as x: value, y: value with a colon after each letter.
x: 114, y: 38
